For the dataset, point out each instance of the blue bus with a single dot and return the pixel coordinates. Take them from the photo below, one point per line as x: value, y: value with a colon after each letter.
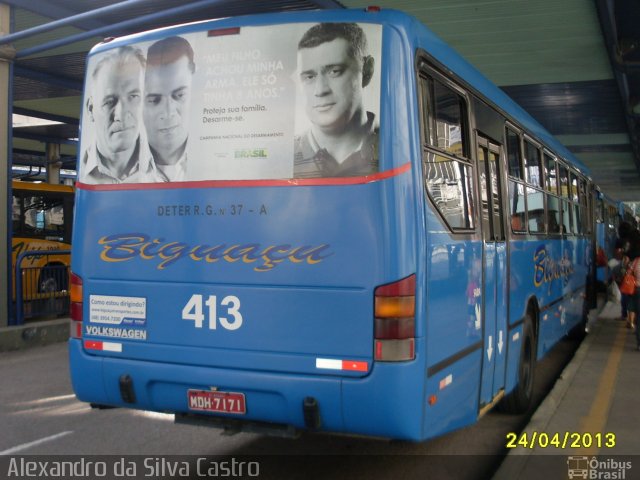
x: 342, y: 226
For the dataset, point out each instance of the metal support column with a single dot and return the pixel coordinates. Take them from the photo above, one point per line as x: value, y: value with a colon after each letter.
x: 7, y: 54
x: 53, y: 163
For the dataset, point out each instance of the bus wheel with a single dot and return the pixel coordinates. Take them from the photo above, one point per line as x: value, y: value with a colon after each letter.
x: 519, y: 400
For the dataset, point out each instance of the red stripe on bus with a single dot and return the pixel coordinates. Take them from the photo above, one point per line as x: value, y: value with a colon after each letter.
x: 294, y: 182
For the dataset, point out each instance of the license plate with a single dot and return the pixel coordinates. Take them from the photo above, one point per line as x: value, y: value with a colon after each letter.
x: 216, y: 401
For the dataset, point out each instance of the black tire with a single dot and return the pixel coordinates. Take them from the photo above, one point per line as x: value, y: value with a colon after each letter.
x: 519, y: 400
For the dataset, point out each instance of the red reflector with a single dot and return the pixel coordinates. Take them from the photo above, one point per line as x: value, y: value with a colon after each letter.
x: 372, y: 9
x: 76, y: 311
x: 354, y: 366
x: 92, y: 345
x: 223, y: 31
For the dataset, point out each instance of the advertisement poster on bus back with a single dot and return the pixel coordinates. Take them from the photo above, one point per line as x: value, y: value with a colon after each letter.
x: 232, y: 104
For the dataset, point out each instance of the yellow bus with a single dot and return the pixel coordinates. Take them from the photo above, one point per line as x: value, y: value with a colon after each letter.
x: 42, y: 218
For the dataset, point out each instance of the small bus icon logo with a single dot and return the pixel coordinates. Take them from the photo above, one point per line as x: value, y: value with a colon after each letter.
x: 578, y: 467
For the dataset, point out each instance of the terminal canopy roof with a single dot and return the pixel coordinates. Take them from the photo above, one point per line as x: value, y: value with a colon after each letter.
x: 573, y: 65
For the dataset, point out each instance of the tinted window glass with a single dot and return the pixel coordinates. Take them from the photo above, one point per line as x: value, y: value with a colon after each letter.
x: 449, y: 120
x: 450, y: 187
x: 513, y: 154
x: 532, y: 164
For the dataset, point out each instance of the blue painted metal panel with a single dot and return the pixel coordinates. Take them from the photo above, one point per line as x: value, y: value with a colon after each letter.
x: 456, y: 390
x: 288, y: 256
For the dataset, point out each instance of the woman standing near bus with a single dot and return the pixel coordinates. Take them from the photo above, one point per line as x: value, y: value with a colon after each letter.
x: 618, y: 266
x: 634, y: 303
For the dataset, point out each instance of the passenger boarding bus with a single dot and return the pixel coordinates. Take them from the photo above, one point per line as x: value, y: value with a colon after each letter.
x: 324, y: 220
x: 608, y: 215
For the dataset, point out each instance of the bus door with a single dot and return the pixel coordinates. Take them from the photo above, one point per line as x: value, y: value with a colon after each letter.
x: 494, y: 271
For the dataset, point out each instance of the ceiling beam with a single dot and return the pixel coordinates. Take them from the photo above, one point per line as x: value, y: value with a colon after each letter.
x: 27, y: 112
x: 39, y: 155
x: 48, y: 9
x: 110, y: 29
x: 55, y: 80
x: 43, y: 138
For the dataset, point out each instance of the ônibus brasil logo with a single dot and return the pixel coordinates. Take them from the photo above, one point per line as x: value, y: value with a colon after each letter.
x: 586, y: 467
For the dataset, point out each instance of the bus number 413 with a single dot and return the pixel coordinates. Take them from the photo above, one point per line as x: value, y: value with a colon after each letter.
x: 193, y: 311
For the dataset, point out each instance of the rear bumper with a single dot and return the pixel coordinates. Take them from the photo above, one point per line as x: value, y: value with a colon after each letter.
x: 386, y: 403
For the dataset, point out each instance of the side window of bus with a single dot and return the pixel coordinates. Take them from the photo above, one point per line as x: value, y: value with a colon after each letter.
x: 550, y: 174
x: 516, y: 183
x: 535, y: 210
x: 565, y: 193
x: 600, y: 211
x: 532, y: 164
x: 551, y: 185
x: 584, y: 203
x: 536, y: 197
x: 44, y: 216
x: 448, y: 174
x: 577, y: 208
x: 577, y: 217
x: 449, y: 114
x: 513, y: 155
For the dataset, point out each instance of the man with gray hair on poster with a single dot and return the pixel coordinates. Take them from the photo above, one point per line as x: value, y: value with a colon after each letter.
x: 113, y: 105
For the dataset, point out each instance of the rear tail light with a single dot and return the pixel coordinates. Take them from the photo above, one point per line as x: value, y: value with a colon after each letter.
x: 76, y: 306
x: 395, y: 313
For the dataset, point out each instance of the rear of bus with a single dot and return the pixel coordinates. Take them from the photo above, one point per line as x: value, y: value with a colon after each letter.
x: 243, y: 294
